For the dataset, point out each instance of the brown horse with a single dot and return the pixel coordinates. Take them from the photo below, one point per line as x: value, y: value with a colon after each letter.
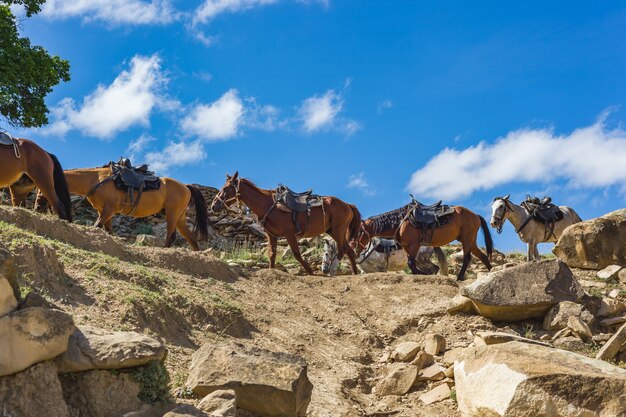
x: 337, y: 218
x: 43, y: 168
x: 172, y: 196
x: 463, y: 226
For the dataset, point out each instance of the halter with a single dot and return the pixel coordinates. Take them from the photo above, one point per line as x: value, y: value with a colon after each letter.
x: 359, y: 235
x: 236, y: 198
x: 332, y: 258
x: 501, y: 219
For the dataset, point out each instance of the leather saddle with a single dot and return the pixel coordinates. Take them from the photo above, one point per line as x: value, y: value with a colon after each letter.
x: 386, y: 246
x: 289, y: 201
x: 133, y: 179
x: 543, y: 211
x: 429, y: 217
x: 298, y: 202
x: 6, y: 139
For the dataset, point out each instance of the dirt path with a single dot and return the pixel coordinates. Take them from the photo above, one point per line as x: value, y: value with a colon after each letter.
x: 342, y: 325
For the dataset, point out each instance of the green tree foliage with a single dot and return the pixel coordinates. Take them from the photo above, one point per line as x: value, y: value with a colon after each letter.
x: 27, y: 73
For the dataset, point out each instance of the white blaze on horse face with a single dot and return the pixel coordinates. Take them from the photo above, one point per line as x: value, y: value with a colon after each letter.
x: 330, y: 263
x: 497, y: 212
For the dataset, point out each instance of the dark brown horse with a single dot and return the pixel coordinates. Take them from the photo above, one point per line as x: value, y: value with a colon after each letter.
x: 337, y: 218
x: 28, y: 158
x: 462, y: 226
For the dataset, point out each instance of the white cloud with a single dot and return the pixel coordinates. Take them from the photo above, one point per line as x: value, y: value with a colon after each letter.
x: 589, y: 157
x: 128, y: 101
x: 322, y: 113
x: 210, y: 9
x: 263, y: 117
x: 138, y: 145
x: 359, y: 182
x: 384, y: 105
x: 176, y: 154
x: 115, y: 12
x: 217, y: 121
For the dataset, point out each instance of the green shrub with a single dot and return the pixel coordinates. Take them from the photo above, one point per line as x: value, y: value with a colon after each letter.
x: 154, y: 381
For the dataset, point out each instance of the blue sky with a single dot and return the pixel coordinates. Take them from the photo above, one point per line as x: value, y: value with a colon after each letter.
x: 365, y: 100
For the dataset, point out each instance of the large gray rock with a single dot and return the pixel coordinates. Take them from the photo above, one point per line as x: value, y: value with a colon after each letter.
x: 34, y: 392
x: 595, y: 243
x: 522, y: 292
x: 32, y: 335
x: 267, y: 383
x: 93, y: 348
x: 518, y: 379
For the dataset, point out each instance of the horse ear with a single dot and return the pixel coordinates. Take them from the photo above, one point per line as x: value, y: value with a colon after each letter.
x: 506, y: 197
x: 227, y: 176
x: 236, y: 175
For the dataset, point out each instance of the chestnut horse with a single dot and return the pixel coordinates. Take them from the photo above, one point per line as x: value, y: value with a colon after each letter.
x: 463, y: 226
x: 172, y: 196
x: 337, y: 218
x: 43, y: 168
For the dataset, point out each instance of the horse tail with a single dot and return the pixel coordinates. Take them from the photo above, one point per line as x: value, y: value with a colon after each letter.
x: 487, y: 234
x: 201, y: 227
x: 61, y: 189
x: 355, y: 224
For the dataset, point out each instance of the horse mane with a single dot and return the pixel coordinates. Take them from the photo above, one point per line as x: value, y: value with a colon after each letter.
x: 389, y: 220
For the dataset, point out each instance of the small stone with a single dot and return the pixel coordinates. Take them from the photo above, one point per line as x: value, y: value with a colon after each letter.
x: 613, y: 345
x: 434, y: 344
x: 437, y: 394
x: 219, y: 403
x: 422, y: 360
x: 449, y: 373
x: 405, y: 352
x: 579, y: 327
x: 398, y: 381
x: 434, y: 372
x: 185, y: 410
x: 610, y: 307
x: 609, y: 273
x: 556, y: 317
x: 460, y: 304
x: 451, y: 355
x: 492, y: 338
x: 571, y: 343
x: 613, y: 321
x: 562, y: 333
x: 622, y: 276
x: 601, y: 338
x: 614, y: 293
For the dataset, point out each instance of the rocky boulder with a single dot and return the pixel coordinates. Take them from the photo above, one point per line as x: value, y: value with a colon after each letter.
x: 101, y: 393
x: 32, y: 335
x: 519, y: 379
x: 556, y: 318
x: 8, y: 303
x: 522, y: 292
x: 34, y: 392
x: 266, y: 383
x: 93, y: 348
x: 595, y: 243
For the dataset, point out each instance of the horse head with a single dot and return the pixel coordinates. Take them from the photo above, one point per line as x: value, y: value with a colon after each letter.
x: 499, y: 209
x: 228, y: 194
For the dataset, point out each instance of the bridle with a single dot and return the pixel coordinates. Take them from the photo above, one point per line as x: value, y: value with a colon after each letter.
x: 332, y: 257
x: 359, y: 247
x: 234, y: 198
x: 501, y: 219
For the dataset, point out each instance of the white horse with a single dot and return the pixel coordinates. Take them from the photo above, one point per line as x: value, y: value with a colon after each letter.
x: 384, y: 255
x: 532, y: 231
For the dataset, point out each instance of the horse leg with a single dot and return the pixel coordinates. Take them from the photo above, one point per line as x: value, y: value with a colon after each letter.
x: 108, y: 226
x: 467, y: 257
x: 295, y: 249
x: 442, y: 260
x: 531, y: 251
x: 480, y: 255
x: 343, y: 248
x: 537, y: 257
x: 271, y: 249
x: 411, y: 261
x: 104, y: 217
x: 45, y: 183
x: 186, y: 233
